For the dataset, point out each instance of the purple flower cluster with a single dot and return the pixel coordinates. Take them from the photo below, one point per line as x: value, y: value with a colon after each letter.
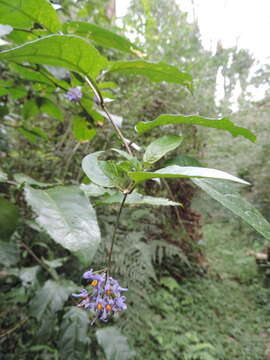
x: 103, y: 297
x: 74, y: 94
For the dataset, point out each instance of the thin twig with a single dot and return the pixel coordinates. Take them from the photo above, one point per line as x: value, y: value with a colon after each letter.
x: 117, y: 130
x: 9, y: 331
x: 41, y: 263
x: 100, y: 101
x: 109, y: 262
x: 95, y: 90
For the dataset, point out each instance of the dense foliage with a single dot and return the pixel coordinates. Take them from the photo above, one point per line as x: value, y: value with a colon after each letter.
x: 74, y: 177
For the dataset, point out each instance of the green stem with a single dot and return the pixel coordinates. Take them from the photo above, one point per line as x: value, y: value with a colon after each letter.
x: 109, y: 262
x: 100, y: 101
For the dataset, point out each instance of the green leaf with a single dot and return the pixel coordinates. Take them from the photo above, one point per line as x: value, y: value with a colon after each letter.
x: 51, y: 298
x: 39, y: 133
x: 156, y: 72
x: 94, y: 115
x: 28, y: 275
x: 93, y: 169
x: 30, y: 109
x: 68, y: 51
x: 33, y: 107
x: 223, y: 124
x: 170, y: 283
x: 24, y: 14
x: 132, y: 159
x: 107, y: 85
x: 27, y: 73
x: 116, y: 173
x: 32, y: 134
x: 25, y: 179
x: 125, y: 154
x: 19, y: 37
x: 114, y: 344
x: 17, y: 93
x: 9, y: 253
x: 100, y: 36
x: 67, y: 215
x: 82, y: 130
x: 175, y: 171
x: 49, y: 107
x: 160, y: 147
x: 56, y: 263
x: 74, y: 339
x: 3, y: 92
x: 225, y: 194
x: 3, y: 176
x: 137, y: 199
x: 95, y: 190
x: 9, y: 217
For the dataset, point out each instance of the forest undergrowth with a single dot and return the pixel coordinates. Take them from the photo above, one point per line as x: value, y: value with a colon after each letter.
x: 221, y: 315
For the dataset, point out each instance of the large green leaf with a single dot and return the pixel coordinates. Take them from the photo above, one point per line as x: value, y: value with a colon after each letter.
x: 137, y: 199
x: 51, y: 298
x: 156, y: 72
x: 160, y: 147
x: 67, y: 215
x: 68, y: 51
x: 9, y: 217
x: 223, y: 124
x: 100, y: 36
x: 114, y: 344
x: 25, y: 13
x: 93, y: 169
x: 73, y: 335
x: 231, y: 199
x: 175, y: 171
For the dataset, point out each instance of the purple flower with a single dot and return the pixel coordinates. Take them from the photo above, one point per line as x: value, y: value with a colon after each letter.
x: 74, y: 94
x: 102, y: 296
x: 83, y: 294
x: 120, y: 303
x: 117, y: 289
x: 88, y: 274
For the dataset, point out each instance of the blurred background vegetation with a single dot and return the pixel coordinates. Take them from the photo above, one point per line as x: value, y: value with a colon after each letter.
x: 194, y: 291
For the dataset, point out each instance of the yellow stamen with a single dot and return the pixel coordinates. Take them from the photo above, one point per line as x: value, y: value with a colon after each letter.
x: 99, y: 307
x: 108, y: 292
x: 94, y: 283
x: 108, y: 307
